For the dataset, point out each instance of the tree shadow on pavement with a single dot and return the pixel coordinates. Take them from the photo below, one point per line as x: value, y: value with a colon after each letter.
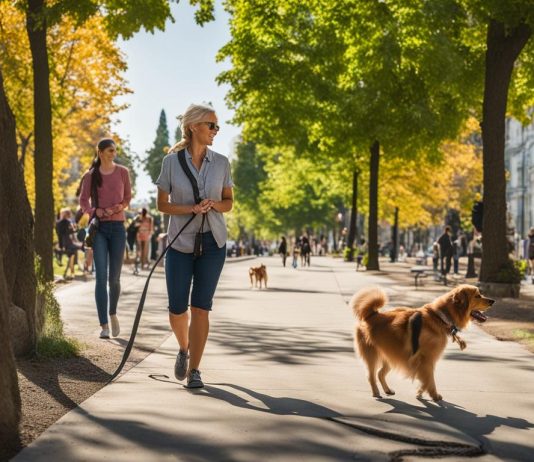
x: 521, y: 362
x: 287, y: 345
x: 173, y: 443
x: 47, y: 375
x: 477, y: 427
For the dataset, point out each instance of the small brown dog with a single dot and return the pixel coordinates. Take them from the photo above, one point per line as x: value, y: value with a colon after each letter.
x: 412, y: 339
x: 259, y: 275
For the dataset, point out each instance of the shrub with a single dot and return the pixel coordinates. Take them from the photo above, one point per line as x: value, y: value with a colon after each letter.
x: 52, y: 342
x: 510, y: 273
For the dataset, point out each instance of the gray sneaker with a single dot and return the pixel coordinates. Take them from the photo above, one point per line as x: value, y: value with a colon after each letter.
x: 194, y: 380
x: 180, y: 366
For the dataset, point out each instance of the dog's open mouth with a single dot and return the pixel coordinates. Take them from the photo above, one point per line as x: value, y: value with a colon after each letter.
x: 479, y: 316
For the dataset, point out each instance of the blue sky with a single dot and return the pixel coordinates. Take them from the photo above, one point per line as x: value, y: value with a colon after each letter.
x: 169, y: 70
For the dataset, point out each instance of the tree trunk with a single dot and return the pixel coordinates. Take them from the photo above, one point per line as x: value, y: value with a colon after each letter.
x: 503, y: 48
x: 372, y: 263
x: 44, y: 198
x: 9, y: 192
x: 353, y: 216
x: 18, y: 257
x: 395, y: 237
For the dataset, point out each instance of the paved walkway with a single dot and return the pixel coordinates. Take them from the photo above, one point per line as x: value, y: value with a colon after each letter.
x: 282, y: 384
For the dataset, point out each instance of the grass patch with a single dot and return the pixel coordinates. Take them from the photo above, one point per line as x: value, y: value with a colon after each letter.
x: 52, y: 342
x: 57, y: 347
x: 524, y: 335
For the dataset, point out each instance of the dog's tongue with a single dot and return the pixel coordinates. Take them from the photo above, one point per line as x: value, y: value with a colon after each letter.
x: 479, y: 316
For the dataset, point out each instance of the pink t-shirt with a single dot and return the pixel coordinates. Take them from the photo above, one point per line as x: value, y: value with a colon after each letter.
x: 115, y: 189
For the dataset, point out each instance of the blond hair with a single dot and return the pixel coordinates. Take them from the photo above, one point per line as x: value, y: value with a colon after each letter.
x: 195, y: 113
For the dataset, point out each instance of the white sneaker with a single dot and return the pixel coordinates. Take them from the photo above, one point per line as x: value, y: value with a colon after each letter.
x: 104, y: 333
x: 115, y: 327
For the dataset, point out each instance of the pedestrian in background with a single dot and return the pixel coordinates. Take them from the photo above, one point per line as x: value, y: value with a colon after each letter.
x: 66, y: 231
x: 82, y: 224
x: 145, y: 229
x: 445, y: 251
x: 435, y: 256
x: 456, y: 253
x: 106, y: 193
x: 282, y: 250
x: 295, y: 252
x: 305, y: 251
x: 131, y: 238
x: 183, y: 268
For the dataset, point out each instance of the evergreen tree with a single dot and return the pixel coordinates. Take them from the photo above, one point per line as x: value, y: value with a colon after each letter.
x: 159, y: 149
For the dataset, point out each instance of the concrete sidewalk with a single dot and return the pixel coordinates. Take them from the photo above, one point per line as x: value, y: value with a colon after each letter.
x: 282, y: 384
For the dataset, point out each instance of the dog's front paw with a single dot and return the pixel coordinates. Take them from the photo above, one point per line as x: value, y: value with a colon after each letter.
x: 389, y: 391
x: 437, y: 397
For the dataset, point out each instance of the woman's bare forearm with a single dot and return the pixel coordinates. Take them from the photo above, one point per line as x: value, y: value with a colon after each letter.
x: 223, y: 206
x: 175, y: 209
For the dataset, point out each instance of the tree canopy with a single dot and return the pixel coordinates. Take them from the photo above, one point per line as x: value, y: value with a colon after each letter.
x: 84, y: 93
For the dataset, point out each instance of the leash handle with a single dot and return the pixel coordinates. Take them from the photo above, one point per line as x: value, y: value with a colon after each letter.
x: 141, y: 305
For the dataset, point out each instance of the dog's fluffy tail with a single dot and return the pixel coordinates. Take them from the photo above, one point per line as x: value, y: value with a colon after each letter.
x: 366, y: 302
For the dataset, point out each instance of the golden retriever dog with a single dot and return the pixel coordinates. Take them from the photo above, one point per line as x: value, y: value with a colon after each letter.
x: 412, y: 339
x: 259, y: 275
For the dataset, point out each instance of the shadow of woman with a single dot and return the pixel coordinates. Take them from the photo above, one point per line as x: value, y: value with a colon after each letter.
x: 270, y: 404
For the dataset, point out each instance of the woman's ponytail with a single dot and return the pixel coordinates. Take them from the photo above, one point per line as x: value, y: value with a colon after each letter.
x: 96, y: 176
x: 186, y: 138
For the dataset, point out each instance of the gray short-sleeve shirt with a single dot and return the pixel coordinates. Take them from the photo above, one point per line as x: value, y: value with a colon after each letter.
x: 214, y: 175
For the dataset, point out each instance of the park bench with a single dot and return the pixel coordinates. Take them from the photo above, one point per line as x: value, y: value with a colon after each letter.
x: 419, y: 272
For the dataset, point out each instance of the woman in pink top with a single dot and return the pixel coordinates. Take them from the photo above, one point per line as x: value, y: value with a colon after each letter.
x: 106, y: 192
x: 144, y: 233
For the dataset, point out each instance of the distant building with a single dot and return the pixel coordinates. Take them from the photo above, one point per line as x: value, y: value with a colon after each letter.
x: 519, y: 162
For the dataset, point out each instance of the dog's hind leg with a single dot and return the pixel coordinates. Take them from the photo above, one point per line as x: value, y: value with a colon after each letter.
x: 382, y: 377
x: 370, y: 357
x: 425, y: 375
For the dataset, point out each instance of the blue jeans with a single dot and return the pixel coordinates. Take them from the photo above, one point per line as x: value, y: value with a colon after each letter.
x: 108, y: 252
x: 204, y: 271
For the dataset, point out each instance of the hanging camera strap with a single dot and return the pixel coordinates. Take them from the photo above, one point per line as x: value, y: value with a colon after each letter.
x: 197, y: 251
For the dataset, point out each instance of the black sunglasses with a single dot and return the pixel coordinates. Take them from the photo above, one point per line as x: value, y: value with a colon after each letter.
x: 211, y: 125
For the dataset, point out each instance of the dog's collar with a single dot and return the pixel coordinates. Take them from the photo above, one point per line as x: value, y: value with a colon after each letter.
x: 453, y: 330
